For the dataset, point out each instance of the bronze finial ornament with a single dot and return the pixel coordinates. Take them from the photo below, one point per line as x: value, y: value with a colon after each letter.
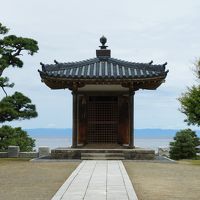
x: 103, y: 41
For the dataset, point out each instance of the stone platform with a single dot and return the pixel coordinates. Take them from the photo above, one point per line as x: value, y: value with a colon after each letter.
x: 103, y: 154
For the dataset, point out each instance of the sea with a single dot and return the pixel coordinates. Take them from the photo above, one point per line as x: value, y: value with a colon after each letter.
x: 144, y: 138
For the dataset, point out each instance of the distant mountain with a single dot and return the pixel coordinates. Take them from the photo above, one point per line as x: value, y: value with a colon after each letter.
x: 139, y: 133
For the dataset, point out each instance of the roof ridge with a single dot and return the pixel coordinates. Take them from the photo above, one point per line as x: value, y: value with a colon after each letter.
x: 82, y: 61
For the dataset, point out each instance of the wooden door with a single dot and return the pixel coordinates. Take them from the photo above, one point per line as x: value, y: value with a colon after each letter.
x: 103, y: 118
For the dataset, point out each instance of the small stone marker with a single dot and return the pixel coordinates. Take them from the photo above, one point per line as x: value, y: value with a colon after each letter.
x: 13, y: 151
x: 43, y: 151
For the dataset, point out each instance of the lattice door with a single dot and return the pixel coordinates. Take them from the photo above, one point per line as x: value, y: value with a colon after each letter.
x: 103, y: 121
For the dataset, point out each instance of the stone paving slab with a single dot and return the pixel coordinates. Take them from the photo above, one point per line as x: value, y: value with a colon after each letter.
x: 99, y: 180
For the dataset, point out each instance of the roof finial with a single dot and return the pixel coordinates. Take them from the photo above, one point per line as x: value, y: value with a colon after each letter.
x: 103, y: 41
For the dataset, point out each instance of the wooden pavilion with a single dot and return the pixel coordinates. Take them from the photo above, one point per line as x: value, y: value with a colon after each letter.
x: 103, y: 91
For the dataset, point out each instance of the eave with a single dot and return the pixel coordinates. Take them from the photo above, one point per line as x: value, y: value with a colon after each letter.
x: 150, y: 83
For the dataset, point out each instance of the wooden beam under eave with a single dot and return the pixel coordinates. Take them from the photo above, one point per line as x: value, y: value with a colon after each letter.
x: 60, y: 83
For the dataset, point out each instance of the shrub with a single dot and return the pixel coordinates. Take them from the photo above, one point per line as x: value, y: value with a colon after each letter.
x: 184, y: 145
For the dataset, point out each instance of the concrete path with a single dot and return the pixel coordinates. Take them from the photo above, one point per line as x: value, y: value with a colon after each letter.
x: 97, y: 180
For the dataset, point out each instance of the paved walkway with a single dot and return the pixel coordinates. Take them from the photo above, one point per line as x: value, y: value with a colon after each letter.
x: 97, y: 180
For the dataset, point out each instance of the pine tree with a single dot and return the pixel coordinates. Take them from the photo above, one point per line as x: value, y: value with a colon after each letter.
x: 16, y: 106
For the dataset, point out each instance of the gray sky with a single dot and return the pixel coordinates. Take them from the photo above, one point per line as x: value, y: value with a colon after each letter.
x: 139, y: 31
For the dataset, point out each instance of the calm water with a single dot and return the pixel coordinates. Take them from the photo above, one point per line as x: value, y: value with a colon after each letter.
x: 145, y: 138
x: 64, y: 142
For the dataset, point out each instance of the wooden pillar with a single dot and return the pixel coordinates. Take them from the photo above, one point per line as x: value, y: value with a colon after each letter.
x: 131, y: 114
x: 82, y: 121
x: 75, y: 119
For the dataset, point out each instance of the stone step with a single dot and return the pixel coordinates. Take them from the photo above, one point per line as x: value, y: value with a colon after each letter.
x: 102, y: 154
x: 101, y: 158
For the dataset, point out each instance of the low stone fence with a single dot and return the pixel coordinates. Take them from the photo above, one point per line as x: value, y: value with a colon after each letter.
x: 14, y: 152
x: 28, y: 155
x: 3, y: 154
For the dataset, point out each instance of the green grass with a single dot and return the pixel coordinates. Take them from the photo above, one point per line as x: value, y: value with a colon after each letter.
x: 190, y: 162
x: 195, y: 162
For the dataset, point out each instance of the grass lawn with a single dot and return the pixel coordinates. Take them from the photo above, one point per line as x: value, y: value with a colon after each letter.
x: 193, y: 162
x: 24, y: 180
x: 166, y: 181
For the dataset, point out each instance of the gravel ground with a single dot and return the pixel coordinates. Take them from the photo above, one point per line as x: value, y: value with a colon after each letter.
x: 24, y: 180
x: 166, y: 181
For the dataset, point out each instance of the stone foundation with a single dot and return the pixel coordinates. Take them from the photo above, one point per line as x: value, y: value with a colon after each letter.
x: 129, y: 154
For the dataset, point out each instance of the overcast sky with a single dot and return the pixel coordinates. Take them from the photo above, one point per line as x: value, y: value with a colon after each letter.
x: 138, y: 31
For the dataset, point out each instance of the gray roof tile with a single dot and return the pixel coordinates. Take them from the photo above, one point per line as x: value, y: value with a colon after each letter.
x: 100, y: 68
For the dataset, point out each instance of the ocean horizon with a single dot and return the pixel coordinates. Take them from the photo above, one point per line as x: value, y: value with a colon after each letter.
x: 62, y: 137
